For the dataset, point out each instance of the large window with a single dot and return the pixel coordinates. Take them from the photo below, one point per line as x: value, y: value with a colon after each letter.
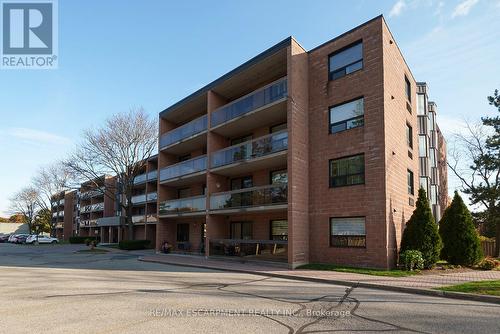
x: 241, y: 230
x: 409, y: 135
x: 408, y: 88
x: 421, y: 104
x: 279, y: 229
x: 347, y: 232
x: 422, y: 146
x: 345, y: 61
x: 182, y: 232
x: 347, y: 171
x: 347, y: 115
x: 411, y: 186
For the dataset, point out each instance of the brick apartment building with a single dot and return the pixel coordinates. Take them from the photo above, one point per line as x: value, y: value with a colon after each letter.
x: 295, y: 156
x: 299, y: 156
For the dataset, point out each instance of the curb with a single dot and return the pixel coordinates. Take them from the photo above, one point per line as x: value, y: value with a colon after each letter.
x: 416, y: 291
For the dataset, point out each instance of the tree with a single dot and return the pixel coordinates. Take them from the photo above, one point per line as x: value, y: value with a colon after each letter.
x: 421, y: 232
x: 461, y: 244
x: 42, y: 221
x: 477, y: 166
x: 120, y: 147
x: 51, y: 180
x: 26, y: 203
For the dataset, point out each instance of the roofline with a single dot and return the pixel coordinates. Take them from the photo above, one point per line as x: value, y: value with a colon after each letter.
x: 273, y: 49
x: 347, y: 32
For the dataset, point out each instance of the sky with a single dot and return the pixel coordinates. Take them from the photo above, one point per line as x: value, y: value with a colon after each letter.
x: 115, y: 55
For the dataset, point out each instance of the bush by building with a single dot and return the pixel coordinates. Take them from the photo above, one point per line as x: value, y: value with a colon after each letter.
x: 421, y: 232
x: 461, y: 243
x: 134, y: 244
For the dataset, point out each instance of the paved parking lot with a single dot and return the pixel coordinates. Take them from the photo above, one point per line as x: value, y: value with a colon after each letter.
x: 51, y: 289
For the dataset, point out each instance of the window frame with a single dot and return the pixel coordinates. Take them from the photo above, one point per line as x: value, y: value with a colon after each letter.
x: 241, y: 223
x: 338, y: 51
x: 346, y: 120
x: 271, y: 229
x: 408, y: 90
x: 346, y: 185
x: 409, y: 140
x: 330, y: 235
x: 411, y: 187
x: 177, y: 232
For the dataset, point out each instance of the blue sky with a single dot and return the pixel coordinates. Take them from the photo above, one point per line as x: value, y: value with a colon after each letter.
x: 114, y: 55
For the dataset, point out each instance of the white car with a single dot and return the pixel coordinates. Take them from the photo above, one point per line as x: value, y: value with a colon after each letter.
x: 41, y: 239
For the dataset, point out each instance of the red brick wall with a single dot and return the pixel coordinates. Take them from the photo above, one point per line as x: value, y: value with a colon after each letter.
x: 299, y: 146
x: 366, y: 200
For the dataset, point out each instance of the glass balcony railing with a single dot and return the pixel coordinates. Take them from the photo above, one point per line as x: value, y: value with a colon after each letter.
x: 144, y: 198
x: 151, y: 218
x: 252, y: 149
x: 183, y: 205
x: 184, y: 168
x: 93, y: 207
x: 248, y: 103
x: 184, y: 131
x: 256, y: 196
x: 138, y: 219
x: 151, y: 176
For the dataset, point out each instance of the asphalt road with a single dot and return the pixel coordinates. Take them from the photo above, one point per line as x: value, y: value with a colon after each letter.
x: 51, y: 289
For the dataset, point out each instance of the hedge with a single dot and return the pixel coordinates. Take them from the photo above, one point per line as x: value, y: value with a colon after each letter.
x: 134, y: 244
x: 81, y: 240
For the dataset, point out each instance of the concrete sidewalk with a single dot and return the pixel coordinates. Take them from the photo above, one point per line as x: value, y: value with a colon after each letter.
x: 420, y: 284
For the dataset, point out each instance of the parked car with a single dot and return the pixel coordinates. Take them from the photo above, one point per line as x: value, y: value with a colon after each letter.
x: 18, y: 238
x: 41, y: 239
x: 4, y: 237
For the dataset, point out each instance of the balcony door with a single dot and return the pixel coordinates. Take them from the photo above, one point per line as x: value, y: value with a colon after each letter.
x: 242, y: 230
x: 243, y: 198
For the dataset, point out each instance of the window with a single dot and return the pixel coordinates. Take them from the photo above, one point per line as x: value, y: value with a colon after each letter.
x: 347, y: 115
x: 408, y: 88
x: 347, y: 171
x: 279, y: 177
x: 241, y: 183
x: 241, y: 230
x: 278, y: 127
x: 422, y: 146
x: 424, y: 184
x: 183, y: 193
x: 240, y: 140
x: 182, y: 232
x: 279, y: 229
x: 421, y: 104
x: 409, y: 135
x: 347, y: 232
x: 346, y: 61
x: 184, y: 157
x: 411, y: 187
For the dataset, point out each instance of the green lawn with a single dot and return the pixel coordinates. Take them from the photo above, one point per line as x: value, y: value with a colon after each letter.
x: 366, y: 271
x: 95, y: 250
x: 481, y: 288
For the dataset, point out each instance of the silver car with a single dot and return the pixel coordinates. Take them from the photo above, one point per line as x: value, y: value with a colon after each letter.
x: 41, y: 239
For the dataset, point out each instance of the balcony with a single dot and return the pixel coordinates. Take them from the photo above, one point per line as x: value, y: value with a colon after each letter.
x: 145, y: 198
x: 269, y: 151
x: 184, y: 207
x: 266, y: 105
x: 262, y: 250
x: 110, y: 221
x: 264, y: 198
x: 138, y: 219
x: 88, y: 223
x: 185, y: 172
x: 93, y: 207
x: 146, y: 177
x: 185, y: 138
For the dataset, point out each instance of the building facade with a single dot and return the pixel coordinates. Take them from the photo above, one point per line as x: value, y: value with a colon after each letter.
x: 432, y: 153
x: 296, y: 156
x: 65, y: 213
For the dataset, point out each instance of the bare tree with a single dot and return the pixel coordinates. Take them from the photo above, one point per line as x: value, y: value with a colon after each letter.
x: 121, y: 147
x: 49, y: 181
x: 25, y: 202
x: 472, y: 163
